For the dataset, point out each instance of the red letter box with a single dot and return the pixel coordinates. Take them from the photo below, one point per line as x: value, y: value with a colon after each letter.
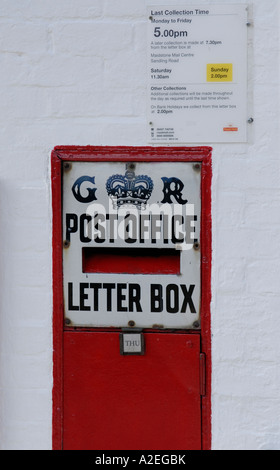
x: 131, y: 280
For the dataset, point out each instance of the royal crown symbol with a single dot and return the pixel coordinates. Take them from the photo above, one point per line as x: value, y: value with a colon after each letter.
x: 129, y: 189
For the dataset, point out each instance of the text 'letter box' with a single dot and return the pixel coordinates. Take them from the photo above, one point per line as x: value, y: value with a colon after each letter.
x: 133, y: 231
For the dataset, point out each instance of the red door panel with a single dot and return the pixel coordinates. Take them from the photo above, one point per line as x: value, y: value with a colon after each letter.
x: 117, y: 402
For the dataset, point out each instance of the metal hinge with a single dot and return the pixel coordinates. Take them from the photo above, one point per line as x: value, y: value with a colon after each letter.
x: 202, y: 374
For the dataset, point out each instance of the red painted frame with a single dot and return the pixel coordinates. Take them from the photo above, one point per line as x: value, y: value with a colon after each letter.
x: 156, y: 154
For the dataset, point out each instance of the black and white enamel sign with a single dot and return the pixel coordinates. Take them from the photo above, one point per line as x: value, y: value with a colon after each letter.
x: 131, y: 235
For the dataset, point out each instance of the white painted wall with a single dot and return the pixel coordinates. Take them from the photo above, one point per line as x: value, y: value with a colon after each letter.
x: 73, y: 72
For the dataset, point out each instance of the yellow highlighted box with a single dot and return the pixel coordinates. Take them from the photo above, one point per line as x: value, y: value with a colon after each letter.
x: 219, y: 72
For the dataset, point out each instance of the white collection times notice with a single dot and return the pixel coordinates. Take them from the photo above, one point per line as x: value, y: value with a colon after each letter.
x: 197, y: 74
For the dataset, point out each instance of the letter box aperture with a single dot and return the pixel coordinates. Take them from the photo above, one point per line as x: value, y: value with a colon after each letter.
x: 132, y: 242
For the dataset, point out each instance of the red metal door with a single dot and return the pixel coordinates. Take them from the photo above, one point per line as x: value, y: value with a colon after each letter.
x: 112, y: 401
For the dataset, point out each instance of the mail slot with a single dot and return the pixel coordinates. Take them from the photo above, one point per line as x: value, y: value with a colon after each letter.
x: 131, y: 277
x: 131, y: 260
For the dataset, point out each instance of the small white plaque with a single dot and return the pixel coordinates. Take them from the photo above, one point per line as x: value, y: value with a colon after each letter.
x: 132, y: 343
x: 197, y: 73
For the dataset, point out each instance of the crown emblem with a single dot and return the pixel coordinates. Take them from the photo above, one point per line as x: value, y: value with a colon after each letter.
x: 129, y: 189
